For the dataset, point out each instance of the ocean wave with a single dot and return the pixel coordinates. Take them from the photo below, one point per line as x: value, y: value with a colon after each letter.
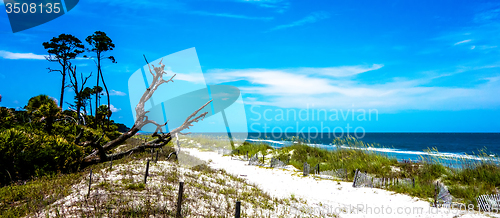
x: 445, y: 155
x: 268, y: 141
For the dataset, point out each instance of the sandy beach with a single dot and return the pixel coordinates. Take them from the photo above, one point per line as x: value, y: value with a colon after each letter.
x: 326, y: 196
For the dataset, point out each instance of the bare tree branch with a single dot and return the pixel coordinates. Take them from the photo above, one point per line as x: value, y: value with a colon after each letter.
x: 99, y: 154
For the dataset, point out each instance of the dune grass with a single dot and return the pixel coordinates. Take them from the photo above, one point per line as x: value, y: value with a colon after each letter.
x: 17, y: 200
x: 465, y: 184
x: 120, y: 191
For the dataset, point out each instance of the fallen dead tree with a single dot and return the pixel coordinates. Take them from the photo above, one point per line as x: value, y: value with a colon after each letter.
x: 100, y: 152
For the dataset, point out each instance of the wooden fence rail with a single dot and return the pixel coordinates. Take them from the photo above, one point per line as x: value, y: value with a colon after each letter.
x: 488, y: 202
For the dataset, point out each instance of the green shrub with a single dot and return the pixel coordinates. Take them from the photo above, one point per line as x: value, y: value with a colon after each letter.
x: 136, y: 186
x: 26, y: 153
x: 7, y: 118
x: 253, y: 149
x: 17, y: 200
x: 430, y: 171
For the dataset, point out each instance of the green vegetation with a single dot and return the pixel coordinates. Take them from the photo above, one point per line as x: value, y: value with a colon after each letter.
x: 253, y: 149
x: 208, y: 142
x: 21, y: 198
x: 25, y: 152
x: 136, y: 186
x: 32, y: 146
x: 17, y: 200
x: 42, y: 139
x: 120, y: 192
x: 464, y: 184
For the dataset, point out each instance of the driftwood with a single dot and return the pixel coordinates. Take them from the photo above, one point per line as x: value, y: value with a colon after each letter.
x: 100, y: 151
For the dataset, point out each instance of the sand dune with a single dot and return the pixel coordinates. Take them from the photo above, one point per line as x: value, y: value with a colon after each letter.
x: 327, y: 196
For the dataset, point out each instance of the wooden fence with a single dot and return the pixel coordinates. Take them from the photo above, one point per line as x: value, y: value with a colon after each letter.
x: 488, y: 202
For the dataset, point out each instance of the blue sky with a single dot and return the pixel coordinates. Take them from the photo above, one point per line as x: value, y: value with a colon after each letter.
x: 424, y: 66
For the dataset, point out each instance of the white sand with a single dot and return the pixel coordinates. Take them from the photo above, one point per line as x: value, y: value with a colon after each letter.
x: 330, y: 196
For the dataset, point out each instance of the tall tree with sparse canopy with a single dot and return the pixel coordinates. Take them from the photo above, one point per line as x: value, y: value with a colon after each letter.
x: 100, y: 43
x: 62, y: 49
x: 80, y: 95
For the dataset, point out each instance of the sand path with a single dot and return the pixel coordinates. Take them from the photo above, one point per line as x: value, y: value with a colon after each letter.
x: 326, y: 196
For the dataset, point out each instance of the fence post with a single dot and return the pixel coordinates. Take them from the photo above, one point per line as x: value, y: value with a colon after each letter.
x: 413, y: 180
x: 179, y: 199
x: 306, y: 169
x: 355, y: 177
x: 156, y: 160
x: 146, y: 174
x: 90, y: 182
x: 111, y: 163
x: 238, y: 208
x: 318, y: 169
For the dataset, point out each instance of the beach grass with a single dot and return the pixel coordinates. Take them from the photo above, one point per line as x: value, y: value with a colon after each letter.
x: 120, y: 192
x: 465, y: 183
x: 18, y: 200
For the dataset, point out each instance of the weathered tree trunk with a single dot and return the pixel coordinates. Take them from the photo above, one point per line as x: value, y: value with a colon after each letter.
x: 107, y: 95
x: 96, y: 118
x: 100, y: 151
x: 61, y: 100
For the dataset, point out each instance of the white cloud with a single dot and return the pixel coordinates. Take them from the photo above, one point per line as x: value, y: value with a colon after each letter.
x: 487, y: 47
x: 339, y: 71
x: 166, y: 4
x: 487, y: 15
x: 113, y: 109
x: 231, y: 15
x: 312, y: 18
x: 472, y: 47
x: 264, y: 3
x: 289, y: 89
x: 114, y: 92
x: 293, y: 81
x: 464, y: 41
x: 16, y: 56
x: 82, y: 65
x: 281, y: 5
x: 189, y: 78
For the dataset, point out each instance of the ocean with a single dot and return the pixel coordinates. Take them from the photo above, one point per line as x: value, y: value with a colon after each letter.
x: 453, y: 148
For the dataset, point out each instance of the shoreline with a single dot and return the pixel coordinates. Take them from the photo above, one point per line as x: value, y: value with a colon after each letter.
x: 449, y: 159
x: 328, y: 195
